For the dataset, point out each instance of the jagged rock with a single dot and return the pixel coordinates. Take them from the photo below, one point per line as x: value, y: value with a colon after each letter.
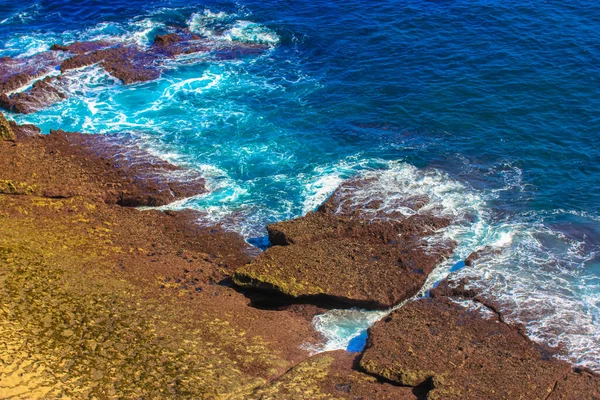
x: 24, y: 130
x: 485, y: 252
x: 127, y: 62
x: 460, y: 353
x: 6, y: 132
x: 43, y: 93
x: 130, y: 64
x: 339, y: 258
x: 17, y: 72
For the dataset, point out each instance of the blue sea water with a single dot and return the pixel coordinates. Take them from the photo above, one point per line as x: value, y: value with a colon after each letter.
x: 491, y: 108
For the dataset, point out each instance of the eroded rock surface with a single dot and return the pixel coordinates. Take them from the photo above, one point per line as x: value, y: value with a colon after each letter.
x: 336, y: 256
x: 330, y: 376
x: 463, y: 353
x: 98, y: 166
x: 579, y: 384
x: 103, y: 301
x: 6, y: 131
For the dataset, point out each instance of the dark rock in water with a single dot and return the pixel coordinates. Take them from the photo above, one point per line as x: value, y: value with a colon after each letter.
x: 451, y: 288
x: 341, y: 259
x: 130, y: 64
x: 6, y: 131
x: 183, y: 42
x: 487, y: 251
x: 81, y: 47
x: 127, y: 62
x: 17, y: 72
x: 462, y: 354
x: 42, y: 94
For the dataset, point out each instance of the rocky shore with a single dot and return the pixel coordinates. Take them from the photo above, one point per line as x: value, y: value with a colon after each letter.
x: 33, y: 83
x: 103, y: 300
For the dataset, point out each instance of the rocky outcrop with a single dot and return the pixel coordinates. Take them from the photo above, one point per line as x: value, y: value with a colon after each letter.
x: 43, y: 93
x: 127, y: 62
x: 460, y: 352
x: 339, y: 258
x: 6, y: 131
x: 17, y: 72
x: 111, y: 169
x: 103, y: 301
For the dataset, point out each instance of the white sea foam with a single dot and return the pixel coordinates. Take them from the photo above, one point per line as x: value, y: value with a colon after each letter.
x: 228, y: 27
x: 536, y: 272
x: 23, y: 16
x: 251, y: 32
x: 542, y: 281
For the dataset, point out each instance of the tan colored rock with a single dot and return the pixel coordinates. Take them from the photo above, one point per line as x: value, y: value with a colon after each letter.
x: 330, y: 376
x: 6, y: 132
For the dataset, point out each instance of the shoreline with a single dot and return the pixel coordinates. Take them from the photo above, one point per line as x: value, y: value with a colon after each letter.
x: 103, y: 300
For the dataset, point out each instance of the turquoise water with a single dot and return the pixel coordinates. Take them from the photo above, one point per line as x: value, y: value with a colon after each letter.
x: 490, y: 108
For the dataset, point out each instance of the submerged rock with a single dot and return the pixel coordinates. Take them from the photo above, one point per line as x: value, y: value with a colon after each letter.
x: 127, y: 62
x: 42, y: 94
x: 342, y: 259
x: 460, y: 353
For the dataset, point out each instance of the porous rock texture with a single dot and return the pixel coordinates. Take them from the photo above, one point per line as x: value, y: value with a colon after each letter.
x: 98, y: 300
x: 343, y: 259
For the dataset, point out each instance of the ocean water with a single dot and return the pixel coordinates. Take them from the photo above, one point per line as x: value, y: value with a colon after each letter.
x: 491, y: 108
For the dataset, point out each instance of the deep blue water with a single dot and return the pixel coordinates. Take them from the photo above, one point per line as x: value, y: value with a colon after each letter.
x: 491, y: 108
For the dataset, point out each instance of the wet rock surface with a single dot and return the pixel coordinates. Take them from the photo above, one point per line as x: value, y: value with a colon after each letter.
x: 17, y: 72
x: 100, y: 300
x: 128, y: 62
x: 460, y: 352
x: 338, y: 257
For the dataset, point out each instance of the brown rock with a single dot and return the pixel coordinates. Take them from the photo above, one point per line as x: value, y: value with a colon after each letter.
x: 577, y: 385
x: 130, y: 64
x: 338, y: 257
x: 81, y: 47
x: 24, y: 130
x: 330, y: 376
x: 113, y: 301
x: 459, y: 353
x: 42, y: 94
x: 485, y: 252
x: 17, y: 72
x: 182, y: 42
x: 98, y: 167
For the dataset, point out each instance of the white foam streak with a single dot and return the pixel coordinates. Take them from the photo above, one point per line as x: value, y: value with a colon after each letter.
x: 226, y: 27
